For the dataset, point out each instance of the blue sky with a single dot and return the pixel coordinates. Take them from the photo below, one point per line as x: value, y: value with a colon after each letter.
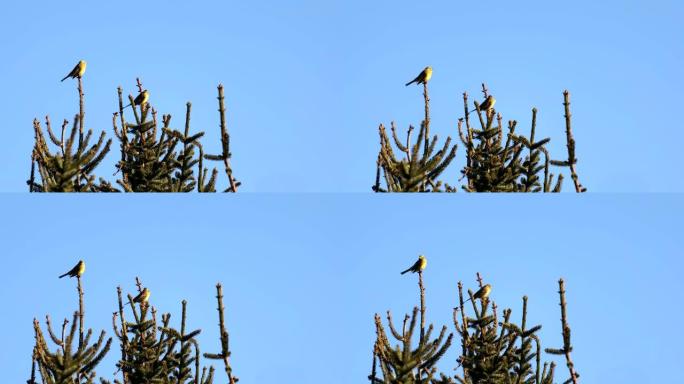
x: 307, y: 82
x: 304, y: 274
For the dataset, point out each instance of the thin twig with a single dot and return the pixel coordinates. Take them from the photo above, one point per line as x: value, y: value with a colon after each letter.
x: 32, y: 179
x: 225, y: 350
x: 124, y: 333
x: 225, y: 140
x: 571, y: 143
x: 32, y: 380
x: 567, y: 347
x: 81, y: 311
x: 422, y: 305
x: 427, y: 117
x: 81, y: 111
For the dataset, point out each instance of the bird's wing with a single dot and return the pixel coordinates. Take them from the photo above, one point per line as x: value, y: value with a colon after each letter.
x: 71, y: 272
x: 479, y: 293
x: 412, y: 268
x: 75, y: 71
x: 416, y: 266
x: 72, y: 73
x: 137, y: 298
x: 424, y: 76
x: 418, y: 78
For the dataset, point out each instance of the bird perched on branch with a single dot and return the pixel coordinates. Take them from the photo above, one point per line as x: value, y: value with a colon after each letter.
x: 78, y: 71
x: 481, y: 293
x: 423, y: 77
x: 487, y: 104
x: 77, y: 270
x: 140, y: 99
x: 142, y: 297
x: 418, y: 266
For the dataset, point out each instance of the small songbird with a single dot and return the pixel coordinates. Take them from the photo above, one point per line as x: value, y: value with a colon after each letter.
x: 418, y: 266
x: 77, y: 270
x: 482, y: 293
x: 487, y: 104
x: 78, y: 71
x: 142, y: 297
x: 423, y: 77
x: 140, y: 99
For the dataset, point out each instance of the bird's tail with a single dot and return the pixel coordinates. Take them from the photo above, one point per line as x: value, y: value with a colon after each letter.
x: 65, y: 77
x: 410, y: 82
x: 64, y: 275
x: 127, y: 106
x: 406, y: 271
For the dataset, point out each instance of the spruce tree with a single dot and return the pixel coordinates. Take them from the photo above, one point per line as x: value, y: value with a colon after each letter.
x: 152, y: 350
x: 404, y: 363
x: 75, y: 359
x: 72, y: 362
x: 154, y: 156
x: 494, y: 162
x: 147, y: 161
x: 421, y: 167
x: 494, y: 350
x: 157, y: 354
x: 70, y: 168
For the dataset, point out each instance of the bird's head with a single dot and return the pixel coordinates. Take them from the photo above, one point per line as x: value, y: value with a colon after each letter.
x: 82, y: 63
x: 421, y: 257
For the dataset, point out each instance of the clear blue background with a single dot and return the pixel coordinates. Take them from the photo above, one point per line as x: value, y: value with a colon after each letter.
x: 307, y: 82
x: 304, y: 274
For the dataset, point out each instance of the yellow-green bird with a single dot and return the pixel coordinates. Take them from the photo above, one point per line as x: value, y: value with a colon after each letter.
x: 140, y: 99
x: 482, y: 293
x: 487, y: 104
x: 418, y: 266
x: 77, y: 270
x: 423, y: 77
x: 78, y: 71
x: 142, y: 297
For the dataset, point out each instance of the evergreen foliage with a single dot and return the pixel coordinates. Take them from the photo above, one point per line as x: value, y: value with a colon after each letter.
x: 67, y: 170
x: 154, y: 158
x: 72, y: 362
x: 403, y: 364
x: 157, y: 354
x: 496, y: 351
x: 419, y: 169
x: 494, y: 163
x: 493, y: 350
